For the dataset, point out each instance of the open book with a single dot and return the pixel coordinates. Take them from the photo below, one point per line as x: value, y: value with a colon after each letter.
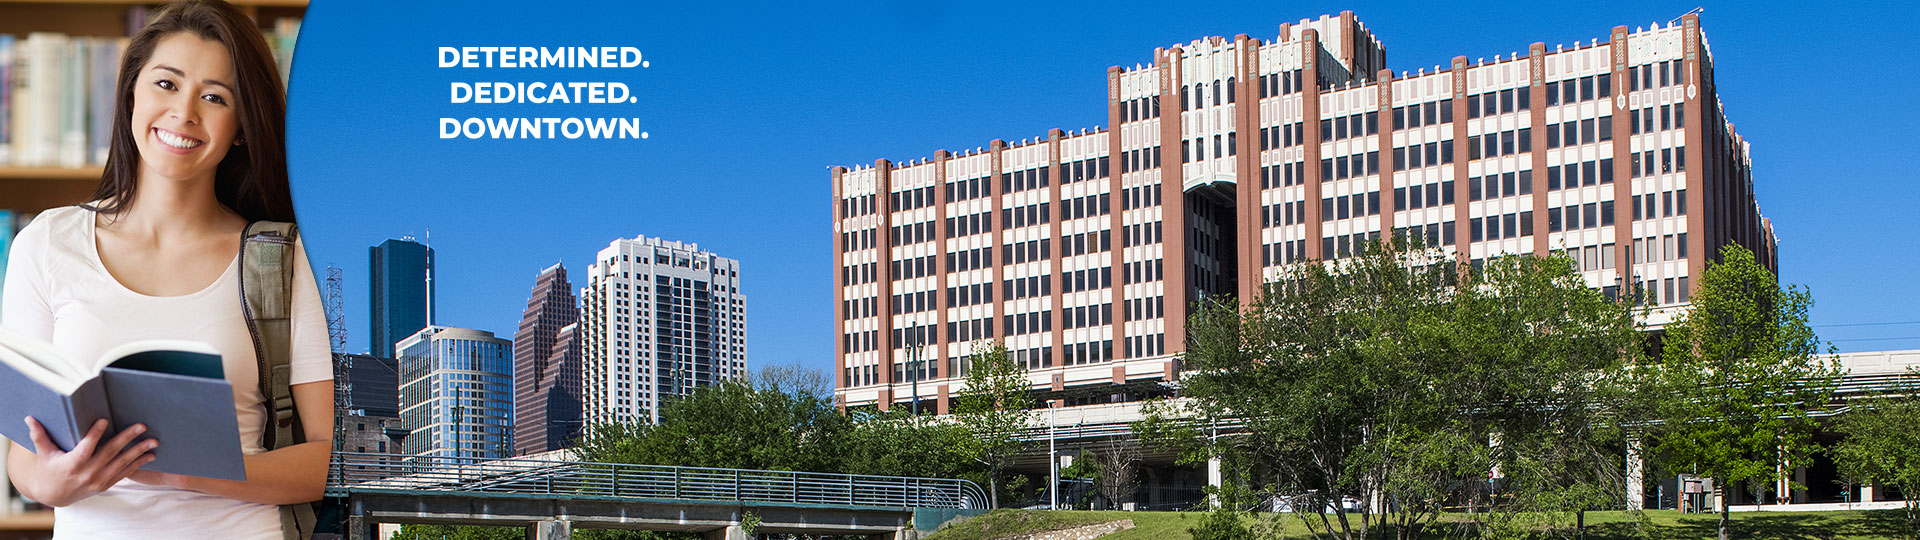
x: 177, y: 388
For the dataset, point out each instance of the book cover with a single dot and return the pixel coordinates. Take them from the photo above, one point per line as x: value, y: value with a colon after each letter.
x: 176, y: 388
x: 73, y: 103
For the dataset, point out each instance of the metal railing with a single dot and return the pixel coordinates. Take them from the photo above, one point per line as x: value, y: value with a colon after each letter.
x: 353, y: 471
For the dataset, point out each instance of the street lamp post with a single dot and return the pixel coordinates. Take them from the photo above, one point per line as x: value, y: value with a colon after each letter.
x: 913, y: 362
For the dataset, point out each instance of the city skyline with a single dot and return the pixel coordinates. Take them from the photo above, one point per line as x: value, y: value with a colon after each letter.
x: 791, y: 245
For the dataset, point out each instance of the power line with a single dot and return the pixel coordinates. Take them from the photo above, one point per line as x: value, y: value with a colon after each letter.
x: 1865, y: 324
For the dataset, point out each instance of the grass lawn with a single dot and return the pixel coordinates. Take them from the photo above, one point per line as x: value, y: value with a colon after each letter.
x: 1663, y: 525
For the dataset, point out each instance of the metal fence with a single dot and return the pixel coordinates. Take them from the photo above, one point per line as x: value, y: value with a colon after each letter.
x: 350, y: 471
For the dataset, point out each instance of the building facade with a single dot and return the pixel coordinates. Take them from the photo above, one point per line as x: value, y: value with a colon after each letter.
x: 401, y: 274
x: 658, y: 319
x: 546, y: 389
x: 1236, y: 157
x: 456, y: 393
x: 370, y: 384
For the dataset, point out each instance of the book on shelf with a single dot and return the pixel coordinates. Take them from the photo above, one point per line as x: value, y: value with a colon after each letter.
x: 178, y: 389
x: 57, y: 92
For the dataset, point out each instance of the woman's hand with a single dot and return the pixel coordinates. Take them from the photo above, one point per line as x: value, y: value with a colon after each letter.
x: 62, y: 478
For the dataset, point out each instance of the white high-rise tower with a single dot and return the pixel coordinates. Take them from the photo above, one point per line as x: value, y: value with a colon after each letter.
x: 658, y: 318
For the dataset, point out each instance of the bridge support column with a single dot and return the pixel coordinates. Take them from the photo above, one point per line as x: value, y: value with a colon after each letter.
x: 730, y: 532
x: 358, y: 528
x: 1636, y: 476
x: 551, y: 529
x: 1215, y: 479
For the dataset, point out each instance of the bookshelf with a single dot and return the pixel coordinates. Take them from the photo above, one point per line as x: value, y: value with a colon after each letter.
x: 32, y: 189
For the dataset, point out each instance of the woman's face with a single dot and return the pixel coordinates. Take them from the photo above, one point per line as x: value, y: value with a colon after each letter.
x: 184, y: 120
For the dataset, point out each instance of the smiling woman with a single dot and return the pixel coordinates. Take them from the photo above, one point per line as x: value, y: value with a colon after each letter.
x: 197, y: 158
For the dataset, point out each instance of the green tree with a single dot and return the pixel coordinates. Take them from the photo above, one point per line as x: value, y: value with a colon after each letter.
x: 1740, y: 372
x: 994, y: 408
x: 777, y: 420
x: 1401, y: 380
x: 898, y: 444
x: 1882, y: 442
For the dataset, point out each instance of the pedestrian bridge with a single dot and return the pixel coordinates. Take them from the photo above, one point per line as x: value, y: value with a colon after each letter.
x: 551, y: 498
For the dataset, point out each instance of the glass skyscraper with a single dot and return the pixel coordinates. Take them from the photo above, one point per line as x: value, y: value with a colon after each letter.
x: 401, y: 292
x: 456, y: 393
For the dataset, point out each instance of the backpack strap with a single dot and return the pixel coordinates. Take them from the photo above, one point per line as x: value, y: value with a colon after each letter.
x: 266, y: 291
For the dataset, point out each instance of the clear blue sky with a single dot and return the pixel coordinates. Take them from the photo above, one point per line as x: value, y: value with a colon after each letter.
x: 747, y: 106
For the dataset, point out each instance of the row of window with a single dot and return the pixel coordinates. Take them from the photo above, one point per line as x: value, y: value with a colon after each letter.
x: 1287, y: 213
x: 1672, y: 247
x: 970, y: 330
x: 1494, y: 186
x: 1346, y: 244
x: 1431, y: 113
x: 1579, y: 90
x: 1140, y: 159
x: 967, y: 190
x: 1141, y: 234
x: 1501, y: 227
x: 1144, y: 271
x: 917, y: 335
x: 1027, y: 323
x: 968, y: 225
x: 1671, y: 160
x: 1580, y: 216
x: 1500, y: 102
x: 1353, y: 125
x: 1086, y: 280
x: 1098, y: 204
x: 859, y: 308
x: 1024, y: 179
x: 1085, y: 169
x: 859, y: 274
x: 1194, y: 96
x: 1354, y: 166
x: 856, y: 206
x: 1087, y: 316
x: 856, y: 240
x: 971, y: 259
x: 1137, y: 109
x: 970, y: 295
x: 1196, y: 149
x: 1423, y: 196
x: 1028, y: 287
x: 855, y: 342
x: 1087, y: 242
x: 1506, y: 143
x: 911, y: 233
x: 1282, y: 83
x: 1032, y: 214
x: 1422, y: 155
x: 1141, y: 346
x: 1350, y: 206
x: 1272, y: 137
x: 1430, y: 234
x: 1573, y: 175
x: 912, y: 199
x: 1653, y: 291
x: 1028, y: 251
x: 1646, y: 206
x: 1671, y: 117
x: 1140, y: 196
x: 1282, y: 253
x: 917, y: 267
x: 1282, y: 175
x: 1143, y: 309
x: 1669, y: 74
x: 913, y: 302
x: 1578, y: 132
x: 1590, y: 258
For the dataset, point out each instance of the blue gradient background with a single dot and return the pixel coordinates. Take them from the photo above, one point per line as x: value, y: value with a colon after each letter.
x: 748, y: 105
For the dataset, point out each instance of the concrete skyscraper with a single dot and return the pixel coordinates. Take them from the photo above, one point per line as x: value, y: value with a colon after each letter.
x: 401, y: 292
x: 456, y: 393
x: 658, y: 319
x: 546, y: 388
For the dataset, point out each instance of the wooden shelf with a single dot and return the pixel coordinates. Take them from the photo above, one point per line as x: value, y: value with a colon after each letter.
x: 82, y: 174
x: 38, y: 520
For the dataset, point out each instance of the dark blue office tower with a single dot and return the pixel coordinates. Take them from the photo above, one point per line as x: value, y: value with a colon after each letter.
x: 402, y: 292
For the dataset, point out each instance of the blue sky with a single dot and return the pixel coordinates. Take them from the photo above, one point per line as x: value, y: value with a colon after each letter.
x: 748, y: 105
